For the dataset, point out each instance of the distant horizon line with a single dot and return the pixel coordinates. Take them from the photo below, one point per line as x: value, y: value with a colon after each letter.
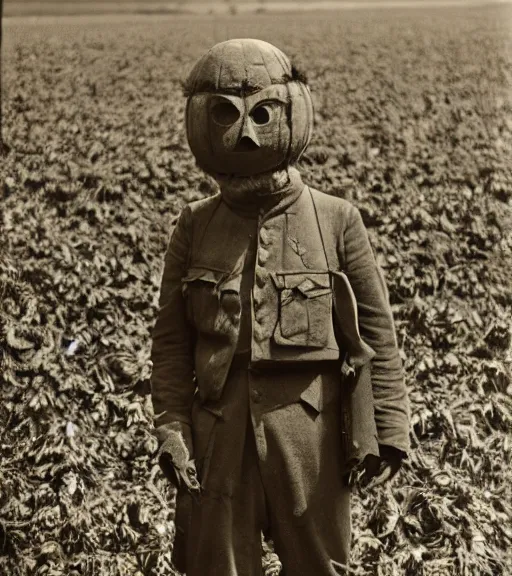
x: 24, y: 10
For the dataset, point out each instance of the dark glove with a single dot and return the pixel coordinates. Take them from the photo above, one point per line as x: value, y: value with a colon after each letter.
x: 175, y: 455
x: 380, y: 469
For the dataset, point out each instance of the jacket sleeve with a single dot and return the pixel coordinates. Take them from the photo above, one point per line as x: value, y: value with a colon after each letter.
x: 391, y: 403
x: 172, y: 379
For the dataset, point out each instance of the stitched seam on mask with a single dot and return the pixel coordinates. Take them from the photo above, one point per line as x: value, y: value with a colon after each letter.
x: 245, y: 83
x: 219, y: 75
x: 282, y: 59
x: 265, y: 66
x: 280, y: 136
x: 289, y: 112
x: 200, y: 71
x: 311, y: 115
x: 245, y: 90
x: 209, y: 129
x: 307, y: 136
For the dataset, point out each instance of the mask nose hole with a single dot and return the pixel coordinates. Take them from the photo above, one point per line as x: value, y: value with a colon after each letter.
x: 246, y: 144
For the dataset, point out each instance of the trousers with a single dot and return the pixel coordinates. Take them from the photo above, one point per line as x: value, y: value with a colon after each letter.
x: 268, y: 464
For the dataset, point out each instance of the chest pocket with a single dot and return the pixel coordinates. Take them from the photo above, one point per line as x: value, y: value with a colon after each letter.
x: 305, y: 309
x: 213, y: 301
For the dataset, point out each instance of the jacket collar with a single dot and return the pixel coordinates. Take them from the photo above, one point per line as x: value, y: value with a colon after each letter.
x: 266, y: 195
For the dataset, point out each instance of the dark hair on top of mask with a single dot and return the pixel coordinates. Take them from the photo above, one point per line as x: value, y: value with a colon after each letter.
x: 299, y: 75
x: 188, y: 89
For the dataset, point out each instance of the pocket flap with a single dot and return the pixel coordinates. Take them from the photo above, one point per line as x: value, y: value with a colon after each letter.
x: 232, y: 284
x: 223, y: 281
x: 309, y: 291
x: 306, y: 283
x: 204, y: 417
x: 320, y: 392
x: 203, y: 274
x: 217, y: 412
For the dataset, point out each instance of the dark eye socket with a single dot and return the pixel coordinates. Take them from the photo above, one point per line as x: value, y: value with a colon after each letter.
x: 225, y: 113
x: 261, y: 114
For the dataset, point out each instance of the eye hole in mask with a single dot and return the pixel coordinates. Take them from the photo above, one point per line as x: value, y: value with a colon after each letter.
x: 225, y: 114
x: 262, y: 114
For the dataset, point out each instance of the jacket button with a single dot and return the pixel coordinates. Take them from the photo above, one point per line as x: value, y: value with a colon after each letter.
x: 264, y: 237
x: 261, y: 277
x: 257, y: 299
x: 259, y: 314
x: 256, y: 396
x: 258, y: 332
x: 263, y: 256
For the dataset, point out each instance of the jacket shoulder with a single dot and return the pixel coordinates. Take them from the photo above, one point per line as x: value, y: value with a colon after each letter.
x: 205, y: 205
x: 197, y: 213
x: 333, y: 208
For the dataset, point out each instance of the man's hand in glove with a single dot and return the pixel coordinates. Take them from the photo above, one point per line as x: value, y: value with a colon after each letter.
x: 380, y: 469
x: 175, y: 456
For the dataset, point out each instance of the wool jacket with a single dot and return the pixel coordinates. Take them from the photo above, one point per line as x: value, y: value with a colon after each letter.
x: 307, y: 245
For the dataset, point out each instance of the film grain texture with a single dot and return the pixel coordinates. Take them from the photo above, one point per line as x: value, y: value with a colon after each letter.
x: 413, y: 124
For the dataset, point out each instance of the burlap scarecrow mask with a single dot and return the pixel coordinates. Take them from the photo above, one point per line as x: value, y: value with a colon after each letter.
x: 248, y: 110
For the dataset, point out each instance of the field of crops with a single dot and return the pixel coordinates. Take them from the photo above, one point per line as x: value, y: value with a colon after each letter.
x: 413, y: 124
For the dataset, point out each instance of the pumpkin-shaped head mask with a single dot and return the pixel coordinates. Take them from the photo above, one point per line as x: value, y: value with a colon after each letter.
x: 248, y: 110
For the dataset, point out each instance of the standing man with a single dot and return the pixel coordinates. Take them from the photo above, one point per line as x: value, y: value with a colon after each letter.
x: 275, y: 362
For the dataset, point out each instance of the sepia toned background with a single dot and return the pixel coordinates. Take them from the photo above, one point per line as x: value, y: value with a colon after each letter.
x: 82, y: 7
x: 413, y: 124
